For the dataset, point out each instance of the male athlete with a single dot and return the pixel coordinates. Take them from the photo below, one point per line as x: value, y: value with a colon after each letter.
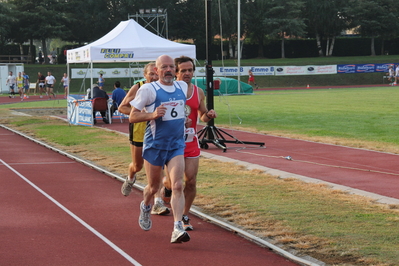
x: 195, y: 108
x: 163, y: 102
x: 136, y: 138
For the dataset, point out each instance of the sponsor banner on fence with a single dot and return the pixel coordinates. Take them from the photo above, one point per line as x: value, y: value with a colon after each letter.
x: 80, y: 111
x: 363, y: 68
x: 233, y: 71
x: 305, y: 70
x: 80, y: 73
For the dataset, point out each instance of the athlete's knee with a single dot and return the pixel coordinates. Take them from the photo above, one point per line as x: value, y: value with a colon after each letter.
x: 190, y: 183
x: 177, y: 185
x: 135, y: 167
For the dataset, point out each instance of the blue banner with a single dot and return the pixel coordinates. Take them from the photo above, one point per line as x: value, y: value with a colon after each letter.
x: 346, y: 69
x: 364, y: 68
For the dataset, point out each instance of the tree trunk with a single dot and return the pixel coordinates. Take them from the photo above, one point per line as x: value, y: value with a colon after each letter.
x: 282, y: 48
x: 44, y: 50
x: 372, y: 47
x: 231, y: 50
x: 327, y: 45
x: 21, y: 51
x: 31, y: 55
x: 319, y: 48
x: 331, y: 46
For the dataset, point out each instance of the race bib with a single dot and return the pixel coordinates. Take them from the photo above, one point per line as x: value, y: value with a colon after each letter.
x: 189, y: 134
x: 174, y: 110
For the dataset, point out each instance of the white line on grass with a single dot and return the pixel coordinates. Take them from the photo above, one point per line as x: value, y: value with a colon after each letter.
x: 94, y: 231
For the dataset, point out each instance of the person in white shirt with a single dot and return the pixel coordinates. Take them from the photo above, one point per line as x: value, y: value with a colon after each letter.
x: 50, y: 81
x: 163, y: 102
x: 11, y: 81
x: 396, y: 74
x: 65, y: 80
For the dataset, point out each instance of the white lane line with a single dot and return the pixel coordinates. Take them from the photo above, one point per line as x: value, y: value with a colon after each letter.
x: 98, y: 234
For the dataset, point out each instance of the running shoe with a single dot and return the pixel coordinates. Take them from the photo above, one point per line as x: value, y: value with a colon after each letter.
x: 145, y: 217
x: 186, y: 223
x: 159, y: 208
x: 127, y: 186
x: 179, y: 235
x: 166, y: 194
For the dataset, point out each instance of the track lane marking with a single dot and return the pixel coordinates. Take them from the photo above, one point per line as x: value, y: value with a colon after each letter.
x: 94, y: 231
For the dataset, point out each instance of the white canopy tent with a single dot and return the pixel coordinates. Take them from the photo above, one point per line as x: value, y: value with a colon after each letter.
x: 128, y: 42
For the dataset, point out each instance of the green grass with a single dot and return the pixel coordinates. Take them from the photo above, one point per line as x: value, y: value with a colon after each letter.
x: 369, y: 114
x: 353, y: 227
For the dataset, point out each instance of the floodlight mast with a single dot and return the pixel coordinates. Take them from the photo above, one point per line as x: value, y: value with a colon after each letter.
x: 210, y: 133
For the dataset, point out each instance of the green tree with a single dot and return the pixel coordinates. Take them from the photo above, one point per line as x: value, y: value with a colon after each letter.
x: 39, y: 19
x: 253, y: 13
x: 325, y: 19
x: 284, y: 19
x: 375, y: 18
x: 7, y: 19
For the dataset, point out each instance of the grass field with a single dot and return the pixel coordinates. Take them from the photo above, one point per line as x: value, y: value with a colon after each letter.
x: 354, y: 114
x: 331, y: 226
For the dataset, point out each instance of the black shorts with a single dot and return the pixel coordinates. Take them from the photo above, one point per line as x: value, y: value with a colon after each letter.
x: 132, y: 142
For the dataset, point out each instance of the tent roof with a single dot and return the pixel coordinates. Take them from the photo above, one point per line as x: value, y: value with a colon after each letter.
x: 129, y: 42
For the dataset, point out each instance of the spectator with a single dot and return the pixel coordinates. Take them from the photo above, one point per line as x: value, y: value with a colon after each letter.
x: 65, y: 80
x: 41, y: 59
x: 11, y: 81
x: 20, y: 85
x: 101, y: 81
x: 117, y: 97
x: 53, y: 56
x: 26, y: 83
x: 41, y: 79
x: 99, y: 93
x: 50, y: 81
x: 251, y: 79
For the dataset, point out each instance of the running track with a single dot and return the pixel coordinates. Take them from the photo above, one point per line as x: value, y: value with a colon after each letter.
x: 56, y: 211
x: 364, y: 172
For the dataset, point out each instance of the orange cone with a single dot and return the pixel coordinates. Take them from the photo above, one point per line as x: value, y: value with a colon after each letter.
x: 308, y: 86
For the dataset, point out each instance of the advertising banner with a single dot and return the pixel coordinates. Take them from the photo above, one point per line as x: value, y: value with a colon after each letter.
x: 233, y: 71
x: 80, y: 73
x: 305, y: 70
x: 364, y: 68
x: 80, y: 111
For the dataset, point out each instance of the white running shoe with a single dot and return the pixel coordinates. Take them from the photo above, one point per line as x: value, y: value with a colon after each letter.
x: 159, y: 208
x: 128, y: 186
x: 145, y: 217
x: 179, y: 235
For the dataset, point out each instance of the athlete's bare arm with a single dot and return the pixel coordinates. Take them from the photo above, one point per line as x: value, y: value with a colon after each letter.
x: 125, y: 107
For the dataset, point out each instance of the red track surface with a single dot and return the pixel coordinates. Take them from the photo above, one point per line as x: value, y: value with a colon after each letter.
x: 35, y: 228
x: 370, y: 171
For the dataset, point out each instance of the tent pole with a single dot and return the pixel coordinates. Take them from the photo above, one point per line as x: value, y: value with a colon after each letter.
x: 69, y: 77
x: 91, y: 79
